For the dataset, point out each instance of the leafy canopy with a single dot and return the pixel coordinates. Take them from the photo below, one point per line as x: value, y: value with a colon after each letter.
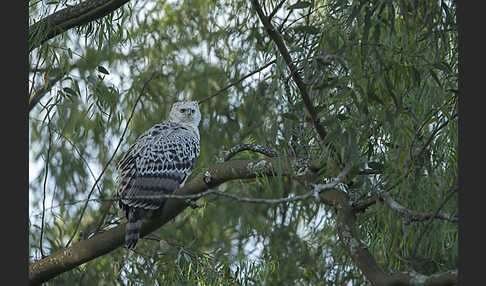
x: 382, y: 76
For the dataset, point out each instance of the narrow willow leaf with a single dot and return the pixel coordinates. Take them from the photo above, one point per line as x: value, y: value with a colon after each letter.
x: 70, y: 91
x: 103, y: 70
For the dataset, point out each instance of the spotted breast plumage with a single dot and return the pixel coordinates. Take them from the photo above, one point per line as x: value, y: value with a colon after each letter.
x: 158, y: 162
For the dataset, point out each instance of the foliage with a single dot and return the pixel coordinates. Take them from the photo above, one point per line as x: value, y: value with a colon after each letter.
x: 382, y: 76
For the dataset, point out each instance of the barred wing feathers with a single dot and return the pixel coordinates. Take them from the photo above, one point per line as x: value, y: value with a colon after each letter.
x: 157, y: 163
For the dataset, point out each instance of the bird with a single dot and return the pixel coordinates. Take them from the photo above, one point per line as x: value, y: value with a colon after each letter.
x: 158, y: 162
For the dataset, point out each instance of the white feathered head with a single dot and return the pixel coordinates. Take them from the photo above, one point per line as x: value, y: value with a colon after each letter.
x: 185, y: 112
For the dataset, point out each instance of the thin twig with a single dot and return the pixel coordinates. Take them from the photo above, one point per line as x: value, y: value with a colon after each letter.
x: 238, y: 81
x: 231, y: 196
x: 111, y: 158
x: 103, y: 217
x: 73, y: 203
x: 45, y: 185
x: 430, y: 116
x: 35, y: 74
x: 42, y: 91
x: 279, y: 5
x: 281, y: 26
x: 316, y: 189
x: 444, y: 124
x: 79, y: 154
x: 411, y: 215
x: 426, y: 226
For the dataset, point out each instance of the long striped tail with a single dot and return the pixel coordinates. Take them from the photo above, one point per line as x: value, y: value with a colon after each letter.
x: 132, y: 228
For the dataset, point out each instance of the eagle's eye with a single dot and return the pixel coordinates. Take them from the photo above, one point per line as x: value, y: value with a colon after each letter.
x: 182, y: 110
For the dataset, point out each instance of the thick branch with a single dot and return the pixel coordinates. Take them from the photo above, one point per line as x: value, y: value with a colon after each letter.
x: 357, y: 250
x: 67, y: 18
x: 105, y: 242
x: 364, y: 204
x: 413, y: 278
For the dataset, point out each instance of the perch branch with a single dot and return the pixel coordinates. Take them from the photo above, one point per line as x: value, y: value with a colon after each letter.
x: 107, y: 241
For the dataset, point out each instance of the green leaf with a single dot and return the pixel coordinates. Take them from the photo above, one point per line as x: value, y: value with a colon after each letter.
x: 300, y: 5
x: 103, y: 70
x: 70, y: 91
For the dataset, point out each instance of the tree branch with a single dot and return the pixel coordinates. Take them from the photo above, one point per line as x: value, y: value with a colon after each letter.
x: 316, y: 190
x: 279, y: 5
x: 42, y: 91
x: 235, y: 197
x: 411, y: 215
x: 362, y: 205
x: 452, y: 191
x: 105, y: 242
x: 67, y: 18
x: 359, y: 253
x: 277, y: 38
x: 237, y: 81
x: 45, y: 184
